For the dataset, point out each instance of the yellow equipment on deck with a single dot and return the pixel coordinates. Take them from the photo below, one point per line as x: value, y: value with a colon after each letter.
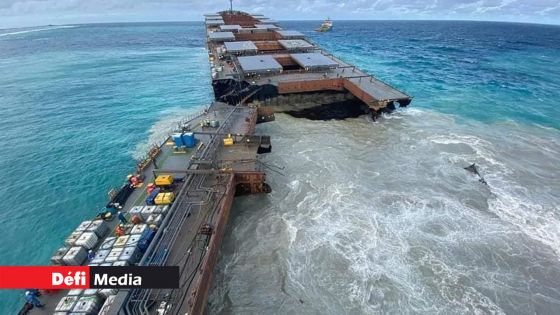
x: 228, y: 140
x: 164, y: 180
x: 164, y: 198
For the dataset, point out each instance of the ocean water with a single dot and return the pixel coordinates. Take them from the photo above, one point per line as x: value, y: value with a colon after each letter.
x: 78, y: 105
x: 365, y: 217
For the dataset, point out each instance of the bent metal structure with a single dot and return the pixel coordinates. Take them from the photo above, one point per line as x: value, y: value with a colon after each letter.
x: 257, y: 69
x: 257, y: 62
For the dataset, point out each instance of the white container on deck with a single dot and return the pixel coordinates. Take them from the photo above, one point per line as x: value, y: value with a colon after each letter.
x: 154, y: 219
x: 129, y: 254
x: 133, y: 240
x: 93, y: 292
x: 87, y: 305
x: 121, y: 241
x: 106, y: 293
x: 114, y: 255
x: 83, y: 226
x: 108, y: 243
x: 165, y: 209
x: 136, y: 210
x: 107, y: 305
x: 75, y: 256
x: 90, y: 292
x: 161, y: 210
x: 75, y: 292
x: 71, y: 240
x: 56, y: 258
x: 66, y: 304
x: 128, y: 227
x: 147, y: 211
x: 120, y: 263
x: 99, y: 227
x: 138, y: 229
x: 100, y: 256
x: 106, y: 264
x: 87, y: 240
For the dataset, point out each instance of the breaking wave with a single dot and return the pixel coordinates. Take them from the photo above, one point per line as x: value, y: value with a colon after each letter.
x: 160, y: 130
x: 402, y: 228
x: 25, y: 31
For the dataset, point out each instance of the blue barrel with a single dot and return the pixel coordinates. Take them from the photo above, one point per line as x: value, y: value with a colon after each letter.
x: 189, y: 140
x: 178, y: 139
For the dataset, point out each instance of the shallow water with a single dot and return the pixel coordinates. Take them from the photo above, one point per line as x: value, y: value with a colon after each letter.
x: 382, y: 218
x: 78, y: 105
x: 364, y: 217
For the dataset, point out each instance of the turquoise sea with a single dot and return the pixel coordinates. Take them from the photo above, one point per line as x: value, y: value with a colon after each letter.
x: 401, y: 229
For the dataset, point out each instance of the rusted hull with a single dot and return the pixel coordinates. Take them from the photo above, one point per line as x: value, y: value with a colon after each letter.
x: 247, y: 183
x: 197, y: 301
x: 240, y: 184
x: 311, y: 86
x: 265, y: 114
x: 252, y: 123
x: 233, y: 92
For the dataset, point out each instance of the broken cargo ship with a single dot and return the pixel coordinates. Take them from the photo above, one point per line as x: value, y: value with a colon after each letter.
x: 257, y: 62
x: 257, y: 69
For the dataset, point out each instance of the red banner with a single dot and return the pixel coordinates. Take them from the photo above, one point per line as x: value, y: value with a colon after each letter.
x: 44, y: 277
x: 84, y: 277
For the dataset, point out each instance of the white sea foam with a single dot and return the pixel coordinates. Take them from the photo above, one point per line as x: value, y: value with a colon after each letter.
x: 538, y: 222
x: 25, y: 31
x: 159, y: 131
x: 376, y: 220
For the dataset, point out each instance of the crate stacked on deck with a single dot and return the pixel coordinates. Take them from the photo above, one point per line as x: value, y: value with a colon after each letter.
x: 85, y: 237
x: 161, y: 191
x: 127, y: 249
x: 86, y: 302
x: 124, y: 250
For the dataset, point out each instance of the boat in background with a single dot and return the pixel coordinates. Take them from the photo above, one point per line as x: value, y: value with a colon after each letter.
x: 326, y: 26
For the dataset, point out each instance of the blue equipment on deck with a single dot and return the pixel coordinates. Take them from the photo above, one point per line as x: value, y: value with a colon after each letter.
x: 189, y: 139
x: 145, y: 239
x: 152, y: 196
x: 178, y: 139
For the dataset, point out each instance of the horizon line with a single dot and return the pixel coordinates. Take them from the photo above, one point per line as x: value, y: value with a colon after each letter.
x: 293, y: 20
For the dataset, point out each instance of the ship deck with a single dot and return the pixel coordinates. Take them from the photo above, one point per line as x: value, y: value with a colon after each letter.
x: 375, y: 88
x: 211, y: 173
x: 204, y: 196
x: 319, y: 72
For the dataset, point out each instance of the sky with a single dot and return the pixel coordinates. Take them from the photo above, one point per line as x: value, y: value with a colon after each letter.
x: 22, y: 13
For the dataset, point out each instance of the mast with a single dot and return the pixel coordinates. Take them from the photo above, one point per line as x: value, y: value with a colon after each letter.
x: 230, y: 6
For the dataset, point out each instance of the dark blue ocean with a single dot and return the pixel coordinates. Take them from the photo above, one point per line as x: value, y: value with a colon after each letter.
x: 366, y: 217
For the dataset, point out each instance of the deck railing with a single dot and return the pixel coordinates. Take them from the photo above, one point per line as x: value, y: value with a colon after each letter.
x: 136, y: 301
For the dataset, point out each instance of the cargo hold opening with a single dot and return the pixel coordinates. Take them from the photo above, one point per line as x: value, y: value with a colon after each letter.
x: 287, y: 63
